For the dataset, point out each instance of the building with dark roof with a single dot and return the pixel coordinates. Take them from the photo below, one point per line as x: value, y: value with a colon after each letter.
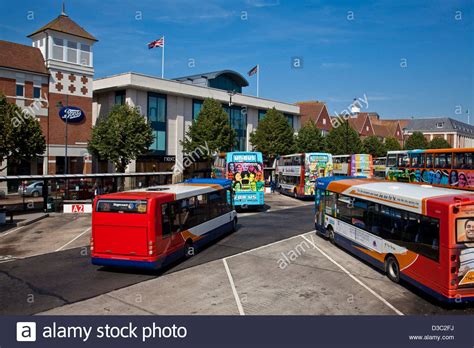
x: 458, y: 134
x: 50, y: 76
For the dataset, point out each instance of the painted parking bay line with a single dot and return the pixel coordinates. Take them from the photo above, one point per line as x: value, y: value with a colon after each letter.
x: 72, y: 240
x: 388, y: 304
x: 234, y: 290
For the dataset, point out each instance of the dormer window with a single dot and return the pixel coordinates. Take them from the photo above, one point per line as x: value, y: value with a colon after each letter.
x: 439, y: 125
x: 58, y: 49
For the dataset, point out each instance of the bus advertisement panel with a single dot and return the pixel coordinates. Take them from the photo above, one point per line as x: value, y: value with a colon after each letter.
x: 297, y: 173
x: 452, y: 168
x: 245, y: 169
x: 155, y: 226
x: 421, y: 234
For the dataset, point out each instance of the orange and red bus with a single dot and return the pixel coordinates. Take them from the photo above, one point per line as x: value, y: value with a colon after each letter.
x: 453, y: 168
x: 419, y: 233
x: 155, y: 226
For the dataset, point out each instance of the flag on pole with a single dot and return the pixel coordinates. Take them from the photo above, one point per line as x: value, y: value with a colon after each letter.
x: 253, y: 71
x: 157, y: 43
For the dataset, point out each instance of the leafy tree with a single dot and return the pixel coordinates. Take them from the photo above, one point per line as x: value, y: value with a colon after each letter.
x: 310, y: 138
x: 374, y: 146
x: 343, y: 140
x: 21, y: 137
x: 416, y: 141
x: 121, y: 137
x: 439, y: 143
x: 392, y: 144
x: 273, y: 136
x: 211, y: 131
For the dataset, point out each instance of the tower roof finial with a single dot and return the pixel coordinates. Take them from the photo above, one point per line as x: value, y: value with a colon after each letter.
x: 63, y: 10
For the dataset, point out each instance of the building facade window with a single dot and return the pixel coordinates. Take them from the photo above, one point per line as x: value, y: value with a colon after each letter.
x: 225, y: 83
x: 36, y: 92
x: 290, y: 119
x: 58, y: 49
x: 20, y: 90
x: 72, y: 52
x: 157, y: 117
x: 197, y: 106
x: 85, y: 55
x: 238, y: 121
x: 120, y: 98
x: 261, y: 114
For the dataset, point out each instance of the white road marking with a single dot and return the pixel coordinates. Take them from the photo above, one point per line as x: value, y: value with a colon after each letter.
x: 234, y: 291
x: 72, y: 240
x: 14, y: 230
x: 267, y: 245
x: 354, y: 277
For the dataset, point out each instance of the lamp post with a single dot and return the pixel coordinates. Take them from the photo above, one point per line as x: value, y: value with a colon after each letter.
x: 60, y: 105
x: 403, y: 138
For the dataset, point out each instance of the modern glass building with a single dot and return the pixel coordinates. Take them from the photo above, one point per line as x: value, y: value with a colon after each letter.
x: 172, y: 105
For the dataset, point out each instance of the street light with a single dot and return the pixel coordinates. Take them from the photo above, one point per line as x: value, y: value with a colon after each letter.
x: 60, y: 105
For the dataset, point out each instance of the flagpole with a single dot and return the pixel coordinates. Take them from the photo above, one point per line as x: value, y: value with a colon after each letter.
x: 163, y: 59
x: 258, y: 78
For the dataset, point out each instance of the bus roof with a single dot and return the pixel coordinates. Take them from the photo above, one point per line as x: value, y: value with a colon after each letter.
x: 230, y: 156
x: 188, y: 188
x: 410, y: 197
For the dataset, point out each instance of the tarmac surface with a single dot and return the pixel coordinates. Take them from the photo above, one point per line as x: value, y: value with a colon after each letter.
x: 273, y: 264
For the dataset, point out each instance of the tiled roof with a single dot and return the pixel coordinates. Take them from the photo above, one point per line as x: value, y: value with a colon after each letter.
x: 64, y: 24
x: 21, y: 57
x: 440, y: 124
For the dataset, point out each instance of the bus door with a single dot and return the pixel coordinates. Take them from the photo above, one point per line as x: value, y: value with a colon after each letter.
x: 171, y: 226
x: 319, y: 202
x: 120, y: 227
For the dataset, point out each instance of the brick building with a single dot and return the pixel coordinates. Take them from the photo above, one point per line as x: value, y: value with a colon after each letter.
x: 317, y: 112
x: 53, y: 75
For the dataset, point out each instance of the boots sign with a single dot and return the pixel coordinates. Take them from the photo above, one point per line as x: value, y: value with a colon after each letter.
x: 72, y: 114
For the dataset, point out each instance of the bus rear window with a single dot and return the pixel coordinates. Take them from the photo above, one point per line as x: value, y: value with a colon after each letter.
x: 122, y: 206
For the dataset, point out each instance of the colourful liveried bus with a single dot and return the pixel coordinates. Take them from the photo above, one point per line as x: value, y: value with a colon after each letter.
x: 353, y: 165
x: 418, y: 233
x: 245, y: 169
x: 151, y: 227
x: 380, y: 167
x: 297, y: 173
x: 452, y: 168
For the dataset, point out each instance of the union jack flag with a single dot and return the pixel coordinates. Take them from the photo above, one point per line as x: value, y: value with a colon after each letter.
x: 157, y: 43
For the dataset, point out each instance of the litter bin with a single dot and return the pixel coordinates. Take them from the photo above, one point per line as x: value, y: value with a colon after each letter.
x: 50, y: 206
x: 3, y: 216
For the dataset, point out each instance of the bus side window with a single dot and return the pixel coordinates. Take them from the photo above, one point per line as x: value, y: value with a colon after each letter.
x: 429, y: 160
x: 175, y: 210
x: 165, y: 220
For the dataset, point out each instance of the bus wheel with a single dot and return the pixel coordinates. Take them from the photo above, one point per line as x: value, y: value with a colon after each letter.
x: 188, y: 249
x: 295, y: 194
x: 332, y: 238
x: 234, y: 224
x: 392, y: 269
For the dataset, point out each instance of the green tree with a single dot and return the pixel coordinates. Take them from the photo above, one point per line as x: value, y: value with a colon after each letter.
x: 273, y: 136
x: 210, y: 131
x: 392, y: 144
x: 416, y: 141
x: 310, y: 139
x: 439, y: 143
x: 21, y: 137
x: 343, y: 140
x: 374, y: 146
x: 121, y: 137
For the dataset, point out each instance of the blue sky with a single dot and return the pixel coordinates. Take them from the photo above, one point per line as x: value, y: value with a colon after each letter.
x: 348, y: 48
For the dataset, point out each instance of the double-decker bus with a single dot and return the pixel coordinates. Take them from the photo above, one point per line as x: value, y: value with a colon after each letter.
x: 245, y: 169
x: 380, y: 166
x: 151, y: 227
x: 419, y: 233
x: 353, y: 165
x: 453, y: 168
x: 297, y: 173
